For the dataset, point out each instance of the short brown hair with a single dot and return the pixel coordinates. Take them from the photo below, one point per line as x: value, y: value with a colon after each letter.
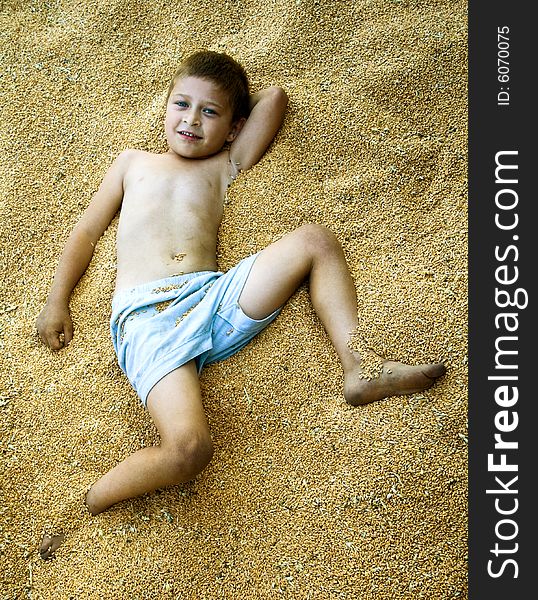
x: 224, y: 71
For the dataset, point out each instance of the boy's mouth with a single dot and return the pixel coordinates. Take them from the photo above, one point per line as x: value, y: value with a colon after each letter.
x: 189, y: 135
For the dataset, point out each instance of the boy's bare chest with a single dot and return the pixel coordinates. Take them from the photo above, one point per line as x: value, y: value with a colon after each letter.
x: 156, y: 191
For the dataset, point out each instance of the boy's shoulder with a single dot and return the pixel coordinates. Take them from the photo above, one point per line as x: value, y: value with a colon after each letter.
x: 126, y: 158
x: 131, y: 154
x: 133, y: 158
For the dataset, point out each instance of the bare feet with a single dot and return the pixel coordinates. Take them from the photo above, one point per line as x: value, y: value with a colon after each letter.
x: 395, y: 379
x: 49, y: 545
x: 90, y: 503
x: 51, y: 542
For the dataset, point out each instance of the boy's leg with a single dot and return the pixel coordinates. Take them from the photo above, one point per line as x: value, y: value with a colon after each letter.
x: 313, y: 251
x: 185, y: 447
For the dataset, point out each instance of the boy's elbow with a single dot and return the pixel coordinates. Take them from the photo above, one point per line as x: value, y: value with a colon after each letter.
x: 279, y: 96
x: 279, y: 101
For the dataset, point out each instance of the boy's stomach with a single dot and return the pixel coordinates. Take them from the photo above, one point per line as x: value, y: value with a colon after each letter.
x: 142, y: 263
x: 157, y: 242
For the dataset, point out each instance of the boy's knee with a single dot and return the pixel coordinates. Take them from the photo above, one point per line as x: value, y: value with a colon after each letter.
x: 319, y: 238
x: 189, y: 454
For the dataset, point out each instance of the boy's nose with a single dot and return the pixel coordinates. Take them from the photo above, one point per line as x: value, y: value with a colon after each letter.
x: 191, y: 119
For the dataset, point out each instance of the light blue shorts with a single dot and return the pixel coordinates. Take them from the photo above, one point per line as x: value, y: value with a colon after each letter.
x: 156, y: 327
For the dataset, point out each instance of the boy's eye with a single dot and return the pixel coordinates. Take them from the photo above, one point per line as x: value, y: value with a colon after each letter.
x: 181, y: 104
x: 209, y: 111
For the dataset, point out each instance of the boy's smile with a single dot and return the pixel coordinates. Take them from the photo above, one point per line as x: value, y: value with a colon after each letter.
x: 198, y: 118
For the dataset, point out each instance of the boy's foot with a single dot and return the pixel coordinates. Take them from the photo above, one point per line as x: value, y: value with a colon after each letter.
x: 395, y: 379
x: 49, y: 545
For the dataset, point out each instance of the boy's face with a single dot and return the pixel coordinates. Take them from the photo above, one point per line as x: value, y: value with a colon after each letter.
x: 198, y: 118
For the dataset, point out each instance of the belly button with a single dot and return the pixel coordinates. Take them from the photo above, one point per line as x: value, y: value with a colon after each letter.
x: 179, y: 256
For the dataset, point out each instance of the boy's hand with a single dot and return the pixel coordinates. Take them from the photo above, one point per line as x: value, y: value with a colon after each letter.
x: 55, y: 326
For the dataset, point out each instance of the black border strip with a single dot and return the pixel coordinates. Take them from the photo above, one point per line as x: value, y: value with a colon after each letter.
x: 496, y: 128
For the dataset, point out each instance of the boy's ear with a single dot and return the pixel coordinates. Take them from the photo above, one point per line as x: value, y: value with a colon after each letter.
x: 236, y: 128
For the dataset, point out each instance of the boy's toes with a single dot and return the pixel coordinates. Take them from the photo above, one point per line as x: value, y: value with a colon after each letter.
x: 49, y: 545
x: 434, y: 370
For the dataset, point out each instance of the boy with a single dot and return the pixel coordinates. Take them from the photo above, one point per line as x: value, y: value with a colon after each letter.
x: 172, y: 311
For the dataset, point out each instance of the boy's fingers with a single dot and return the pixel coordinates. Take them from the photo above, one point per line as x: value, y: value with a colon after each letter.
x: 68, y: 333
x: 46, y: 338
x: 55, y: 340
x: 55, y: 329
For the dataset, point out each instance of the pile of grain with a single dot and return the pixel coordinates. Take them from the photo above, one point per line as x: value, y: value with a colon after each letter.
x: 306, y: 497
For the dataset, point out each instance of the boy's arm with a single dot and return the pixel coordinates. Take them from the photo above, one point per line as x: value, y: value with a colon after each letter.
x: 54, y: 323
x: 267, y: 109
